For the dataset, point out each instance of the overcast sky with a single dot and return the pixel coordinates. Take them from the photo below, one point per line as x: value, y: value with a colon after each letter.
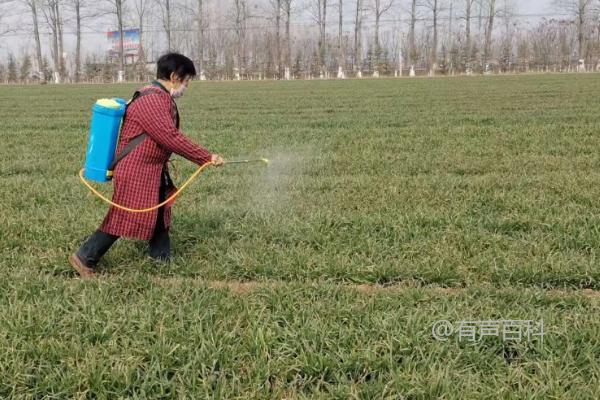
x: 97, y: 43
x: 536, y: 6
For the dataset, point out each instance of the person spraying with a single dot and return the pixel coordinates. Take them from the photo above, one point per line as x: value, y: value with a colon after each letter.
x: 149, y: 135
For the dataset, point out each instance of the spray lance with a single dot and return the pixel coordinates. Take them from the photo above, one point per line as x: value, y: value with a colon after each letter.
x: 105, y: 126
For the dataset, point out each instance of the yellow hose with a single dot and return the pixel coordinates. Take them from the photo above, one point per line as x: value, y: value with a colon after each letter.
x: 120, y: 207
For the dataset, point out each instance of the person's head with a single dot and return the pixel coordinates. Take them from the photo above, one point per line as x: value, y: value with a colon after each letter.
x: 175, y: 71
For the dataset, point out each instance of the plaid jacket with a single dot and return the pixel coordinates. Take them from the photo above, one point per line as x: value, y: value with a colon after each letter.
x: 137, y: 177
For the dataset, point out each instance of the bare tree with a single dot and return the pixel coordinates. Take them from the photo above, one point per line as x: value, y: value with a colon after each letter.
x: 141, y: 10
x: 357, y: 36
x: 450, y: 44
x: 287, y: 6
x: 542, y: 41
x: 166, y: 19
x: 201, y: 28
x: 341, y: 55
x: 117, y: 8
x: 434, y: 6
x: 53, y: 18
x: 506, y: 14
x: 276, y: 9
x: 33, y: 5
x: 81, y: 10
x: 580, y: 9
x: 488, y: 33
x: 223, y: 41
x: 240, y: 17
x: 413, y: 55
x: 380, y: 8
x: 77, y: 9
x: 468, y: 44
x: 320, y: 16
x: 479, y: 7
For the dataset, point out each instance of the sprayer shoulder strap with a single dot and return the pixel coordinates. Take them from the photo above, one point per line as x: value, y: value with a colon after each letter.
x: 127, y: 149
x: 136, y: 140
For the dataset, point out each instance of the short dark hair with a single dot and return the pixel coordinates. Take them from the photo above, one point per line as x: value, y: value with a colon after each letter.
x: 177, y: 63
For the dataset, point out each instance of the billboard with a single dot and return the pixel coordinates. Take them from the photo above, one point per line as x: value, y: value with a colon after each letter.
x: 131, y: 42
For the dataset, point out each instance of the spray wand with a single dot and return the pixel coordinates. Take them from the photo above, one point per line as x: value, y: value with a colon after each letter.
x: 174, y: 195
x: 257, y: 160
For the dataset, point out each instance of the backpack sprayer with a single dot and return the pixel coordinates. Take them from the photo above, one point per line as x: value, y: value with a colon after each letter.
x: 100, y: 158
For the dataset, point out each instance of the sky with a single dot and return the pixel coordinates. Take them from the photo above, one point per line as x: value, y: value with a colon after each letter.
x: 97, y: 43
x: 536, y: 6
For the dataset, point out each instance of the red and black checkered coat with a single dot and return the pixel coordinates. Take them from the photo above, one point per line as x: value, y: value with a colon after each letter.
x: 137, y: 177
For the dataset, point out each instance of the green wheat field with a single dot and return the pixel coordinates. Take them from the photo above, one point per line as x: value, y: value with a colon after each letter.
x: 388, y: 205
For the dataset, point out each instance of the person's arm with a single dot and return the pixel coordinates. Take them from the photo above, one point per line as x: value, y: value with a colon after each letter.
x: 154, y: 116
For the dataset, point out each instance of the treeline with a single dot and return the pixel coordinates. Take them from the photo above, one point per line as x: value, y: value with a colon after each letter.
x: 295, y: 39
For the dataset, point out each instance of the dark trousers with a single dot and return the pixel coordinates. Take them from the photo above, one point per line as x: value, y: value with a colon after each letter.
x: 159, y: 246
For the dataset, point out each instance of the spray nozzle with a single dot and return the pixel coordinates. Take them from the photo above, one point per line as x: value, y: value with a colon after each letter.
x: 263, y: 160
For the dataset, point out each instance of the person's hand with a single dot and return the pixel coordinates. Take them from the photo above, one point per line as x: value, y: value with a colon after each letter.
x: 217, y: 160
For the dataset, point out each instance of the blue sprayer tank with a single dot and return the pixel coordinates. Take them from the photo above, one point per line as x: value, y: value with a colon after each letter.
x: 107, y: 115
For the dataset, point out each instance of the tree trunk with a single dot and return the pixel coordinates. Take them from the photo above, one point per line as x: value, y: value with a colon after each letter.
x: 480, y: 19
x: 52, y: 18
x: 357, y: 33
x: 78, y: 40
x: 377, y: 19
x: 36, y: 36
x: 141, y: 52
x: 288, y: 12
x: 322, y: 35
x: 140, y: 70
x: 598, y: 45
x: 450, y: 38
x: 580, y: 27
x: 240, y: 30
x: 488, y: 34
x: 278, y: 39
x: 469, y: 4
x: 168, y: 23
x: 341, y: 58
x: 53, y: 23
x: 507, y: 48
x: 119, y: 9
x: 411, y: 38
x: 376, y: 46
x: 201, y: 36
x: 433, y: 55
x: 61, y: 47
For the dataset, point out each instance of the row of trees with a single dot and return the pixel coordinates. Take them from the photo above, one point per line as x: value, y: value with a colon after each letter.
x: 254, y: 39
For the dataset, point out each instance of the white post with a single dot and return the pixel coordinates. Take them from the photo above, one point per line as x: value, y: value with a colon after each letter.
x: 400, y: 56
x: 65, y: 62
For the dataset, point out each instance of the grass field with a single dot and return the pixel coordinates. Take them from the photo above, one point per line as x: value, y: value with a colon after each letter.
x: 389, y: 205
